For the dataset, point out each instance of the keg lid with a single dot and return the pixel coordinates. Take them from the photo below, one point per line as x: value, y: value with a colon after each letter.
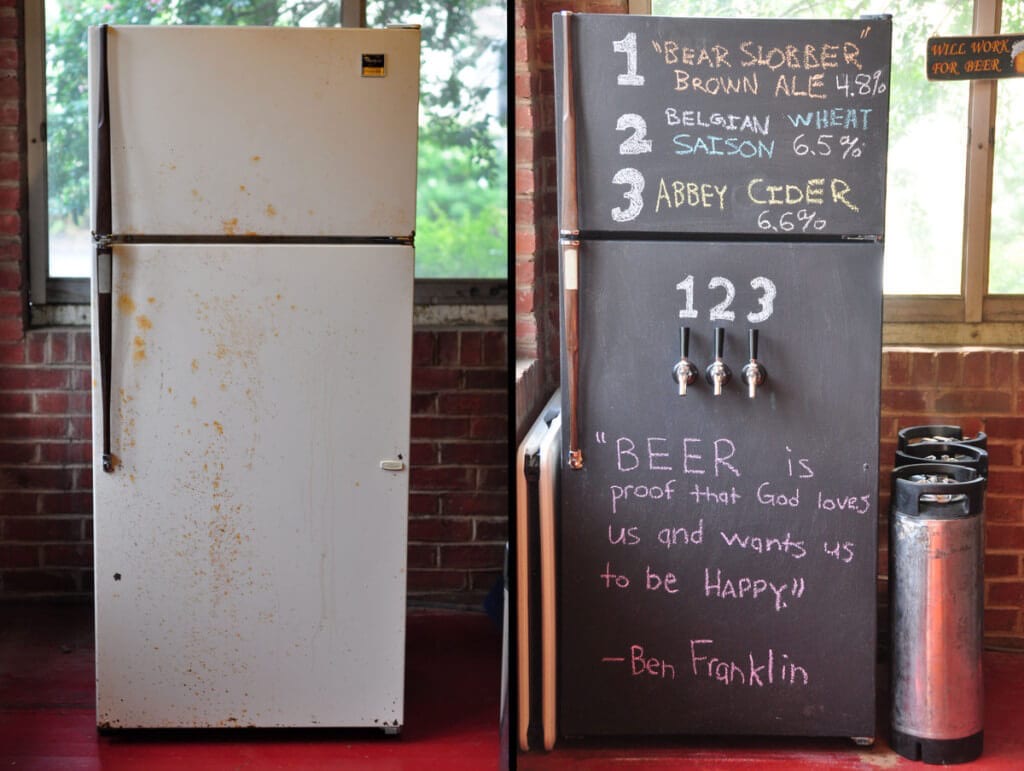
x: 938, y: 433
x: 944, y: 451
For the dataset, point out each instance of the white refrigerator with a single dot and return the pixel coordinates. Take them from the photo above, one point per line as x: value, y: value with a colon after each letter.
x: 253, y: 194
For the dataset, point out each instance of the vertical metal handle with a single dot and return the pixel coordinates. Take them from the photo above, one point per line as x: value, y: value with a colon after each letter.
x: 102, y: 248
x: 104, y: 217
x: 104, y: 266
x: 568, y: 212
x: 568, y: 225
x: 570, y: 301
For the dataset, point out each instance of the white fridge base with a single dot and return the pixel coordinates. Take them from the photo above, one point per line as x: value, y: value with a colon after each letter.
x: 250, y: 548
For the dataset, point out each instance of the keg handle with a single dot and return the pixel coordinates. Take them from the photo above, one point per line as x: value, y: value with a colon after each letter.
x: 907, y: 494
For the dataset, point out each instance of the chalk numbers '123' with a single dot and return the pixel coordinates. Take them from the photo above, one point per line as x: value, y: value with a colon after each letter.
x: 720, y: 311
x: 636, y: 143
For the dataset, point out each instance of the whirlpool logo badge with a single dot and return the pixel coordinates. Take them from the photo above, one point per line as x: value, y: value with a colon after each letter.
x: 373, y: 66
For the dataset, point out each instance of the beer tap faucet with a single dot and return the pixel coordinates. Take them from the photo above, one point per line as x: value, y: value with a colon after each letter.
x: 754, y: 374
x: 685, y: 371
x: 717, y: 373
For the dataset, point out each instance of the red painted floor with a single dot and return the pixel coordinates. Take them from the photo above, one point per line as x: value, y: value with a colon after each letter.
x: 47, y: 717
x: 1004, y: 742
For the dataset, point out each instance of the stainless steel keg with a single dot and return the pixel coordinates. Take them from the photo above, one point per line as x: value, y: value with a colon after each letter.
x: 936, y: 577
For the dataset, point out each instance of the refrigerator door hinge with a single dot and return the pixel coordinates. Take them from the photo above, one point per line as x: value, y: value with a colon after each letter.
x: 392, y: 465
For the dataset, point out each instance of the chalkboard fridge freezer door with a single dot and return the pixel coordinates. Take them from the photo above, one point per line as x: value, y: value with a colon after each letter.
x: 718, y: 553
x: 756, y: 126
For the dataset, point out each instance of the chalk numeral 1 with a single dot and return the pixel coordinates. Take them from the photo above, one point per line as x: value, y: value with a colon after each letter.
x: 686, y: 285
x: 627, y: 46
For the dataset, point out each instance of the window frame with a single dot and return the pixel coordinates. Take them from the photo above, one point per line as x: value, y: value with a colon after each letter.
x: 973, y: 317
x: 64, y: 301
x: 52, y: 290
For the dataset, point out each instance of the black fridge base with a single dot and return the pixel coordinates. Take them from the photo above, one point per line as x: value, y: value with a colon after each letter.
x: 938, y: 752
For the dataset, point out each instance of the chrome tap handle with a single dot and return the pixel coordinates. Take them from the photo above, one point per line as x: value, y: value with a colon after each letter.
x: 753, y: 374
x: 685, y: 371
x: 717, y: 373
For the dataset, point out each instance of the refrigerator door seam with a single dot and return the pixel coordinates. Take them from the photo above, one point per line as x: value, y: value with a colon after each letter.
x: 133, y: 238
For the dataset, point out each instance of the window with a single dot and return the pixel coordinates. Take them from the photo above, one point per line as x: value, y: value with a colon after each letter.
x: 462, y: 207
x: 462, y: 194
x: 954, y: 253
x: 1006, y: 240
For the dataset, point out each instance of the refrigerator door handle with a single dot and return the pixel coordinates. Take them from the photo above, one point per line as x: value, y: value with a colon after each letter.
x: 568, y: 213
x: 570, y: 249
x: 104, y: 252
x: 104, y: 200
x: 568, y: 226
x: 104, y: 268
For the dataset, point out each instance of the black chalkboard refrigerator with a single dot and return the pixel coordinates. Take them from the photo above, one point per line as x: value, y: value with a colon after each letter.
x: 721, y: 218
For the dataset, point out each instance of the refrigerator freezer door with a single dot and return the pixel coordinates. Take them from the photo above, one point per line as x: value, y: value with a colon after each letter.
x: 235, y: 131
x: 250, y: 548
x: 707, y: 126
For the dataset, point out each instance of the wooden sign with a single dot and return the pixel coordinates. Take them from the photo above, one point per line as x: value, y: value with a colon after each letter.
x: 973, y: 58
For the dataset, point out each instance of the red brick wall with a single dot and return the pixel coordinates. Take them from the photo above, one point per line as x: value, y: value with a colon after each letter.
x: 459, y: 500
x: 528, y: 111
x: 979, y: 390
x: 459, y: 485
x: 45, y: 468
x: 536, y: 215
x: 535, y: 221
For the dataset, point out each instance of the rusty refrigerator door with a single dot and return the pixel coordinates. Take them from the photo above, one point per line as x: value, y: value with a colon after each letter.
x: 250, y: 548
